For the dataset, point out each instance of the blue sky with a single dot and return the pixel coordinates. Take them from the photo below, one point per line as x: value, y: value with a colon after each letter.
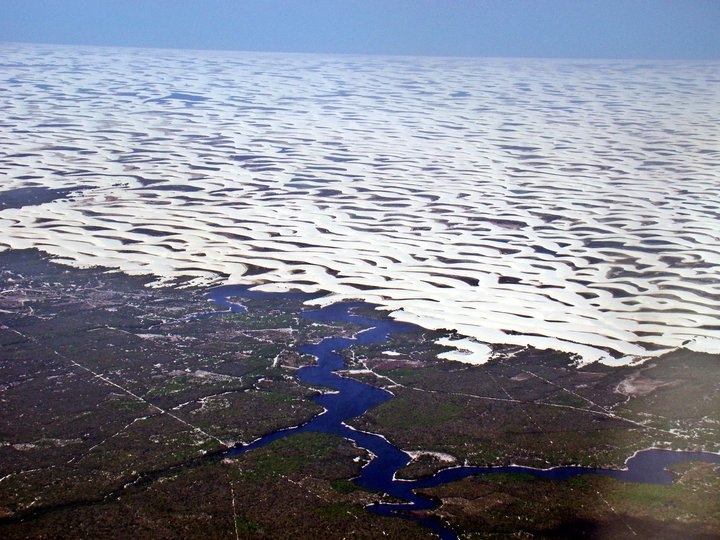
x: 530, y: 28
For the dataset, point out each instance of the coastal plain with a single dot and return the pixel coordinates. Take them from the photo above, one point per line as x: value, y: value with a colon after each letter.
x: 120, y: 402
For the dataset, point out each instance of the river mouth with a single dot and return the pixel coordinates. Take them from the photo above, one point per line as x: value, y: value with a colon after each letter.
x: 349, y: 399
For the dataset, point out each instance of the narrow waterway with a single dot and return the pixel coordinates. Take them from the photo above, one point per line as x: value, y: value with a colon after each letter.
x: 350, y: 399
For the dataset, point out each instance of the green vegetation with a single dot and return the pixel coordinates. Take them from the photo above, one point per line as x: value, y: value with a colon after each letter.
x: 344, y: 486
x: 585, y: 506
x: 338, y: 512
x: 289, y: 455
x: 246, y: 527
x: 113, y: 428
x: 534, y: 408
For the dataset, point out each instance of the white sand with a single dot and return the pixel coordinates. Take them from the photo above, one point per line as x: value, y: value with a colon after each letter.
x: 560, y: 204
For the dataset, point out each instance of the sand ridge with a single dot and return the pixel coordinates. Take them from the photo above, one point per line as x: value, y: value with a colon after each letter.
x: 560, y: 204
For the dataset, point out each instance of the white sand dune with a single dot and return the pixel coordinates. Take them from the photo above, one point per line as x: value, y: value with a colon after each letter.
x: 560, y: 204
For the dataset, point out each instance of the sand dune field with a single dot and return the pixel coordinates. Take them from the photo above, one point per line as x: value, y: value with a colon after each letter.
x: 572, y: 205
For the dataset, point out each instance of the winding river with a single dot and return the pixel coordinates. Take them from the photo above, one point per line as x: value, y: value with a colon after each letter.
x: 351, y: 398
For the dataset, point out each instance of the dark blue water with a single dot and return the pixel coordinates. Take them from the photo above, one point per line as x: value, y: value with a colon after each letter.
x: 34, y: 196
x: 351, y: 399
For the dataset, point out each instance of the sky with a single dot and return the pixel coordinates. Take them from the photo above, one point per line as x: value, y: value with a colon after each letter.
x: 524, y: 28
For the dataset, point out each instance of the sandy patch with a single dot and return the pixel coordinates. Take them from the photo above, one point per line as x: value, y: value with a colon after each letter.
x: 557, y: 204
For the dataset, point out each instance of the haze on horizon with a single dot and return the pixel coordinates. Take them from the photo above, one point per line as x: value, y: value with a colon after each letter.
x: 651, y: 29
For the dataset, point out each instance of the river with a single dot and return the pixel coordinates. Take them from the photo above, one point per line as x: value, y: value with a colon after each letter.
x: 350, y: 399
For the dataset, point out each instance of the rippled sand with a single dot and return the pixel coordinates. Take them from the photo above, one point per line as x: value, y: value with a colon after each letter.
x: 561, y: 204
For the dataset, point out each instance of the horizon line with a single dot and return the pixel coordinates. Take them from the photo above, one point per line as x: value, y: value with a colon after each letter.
x: 367, y: 54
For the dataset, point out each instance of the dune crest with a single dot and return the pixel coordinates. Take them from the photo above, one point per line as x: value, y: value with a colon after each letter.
x: 559, y: 204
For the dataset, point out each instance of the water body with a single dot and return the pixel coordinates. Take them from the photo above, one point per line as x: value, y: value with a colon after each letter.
x: 351, y: 398
x: 34, y: 196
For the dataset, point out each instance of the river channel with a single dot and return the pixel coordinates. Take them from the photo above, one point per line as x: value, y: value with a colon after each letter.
x: 349, y: 399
